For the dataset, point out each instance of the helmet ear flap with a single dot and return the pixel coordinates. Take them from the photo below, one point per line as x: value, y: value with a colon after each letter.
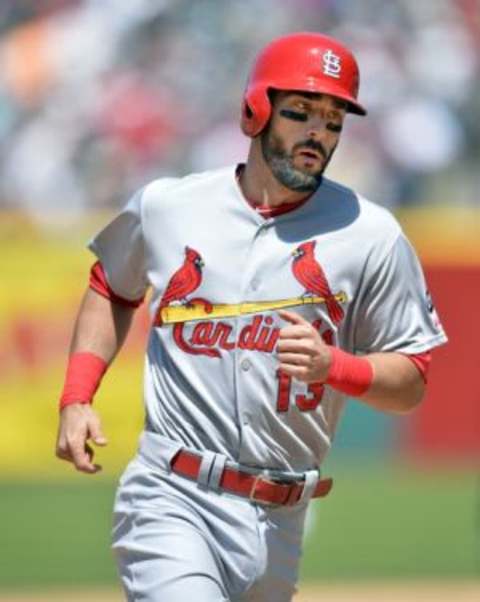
x: 256, y: 110
x: 247, y: 120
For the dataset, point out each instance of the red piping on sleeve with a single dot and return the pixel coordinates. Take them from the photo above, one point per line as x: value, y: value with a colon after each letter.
x: 98, y: 282
x: 421, y: 361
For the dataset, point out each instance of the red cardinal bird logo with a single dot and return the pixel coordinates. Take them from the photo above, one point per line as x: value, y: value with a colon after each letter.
x: 310, y: 274
x: 184, y: 281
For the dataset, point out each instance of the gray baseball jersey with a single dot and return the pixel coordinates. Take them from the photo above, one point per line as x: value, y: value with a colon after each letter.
x: 219, y: 271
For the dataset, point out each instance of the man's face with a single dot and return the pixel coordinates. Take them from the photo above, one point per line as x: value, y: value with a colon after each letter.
x: 300, y: 138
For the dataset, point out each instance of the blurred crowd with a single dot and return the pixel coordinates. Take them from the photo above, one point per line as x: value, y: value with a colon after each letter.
x: 97, y: 97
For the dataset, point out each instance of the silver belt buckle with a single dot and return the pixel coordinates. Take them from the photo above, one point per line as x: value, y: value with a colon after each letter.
x: 252, y: 498
x: 274, y: 481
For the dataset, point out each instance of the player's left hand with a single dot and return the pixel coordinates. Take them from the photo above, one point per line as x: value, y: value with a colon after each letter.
x: 301, y: 350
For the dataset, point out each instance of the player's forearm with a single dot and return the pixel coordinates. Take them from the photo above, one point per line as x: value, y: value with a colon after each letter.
x: 397, y: 385
x: 101, y: 326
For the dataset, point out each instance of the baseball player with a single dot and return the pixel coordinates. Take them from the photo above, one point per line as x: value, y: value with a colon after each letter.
x: 275, y: 294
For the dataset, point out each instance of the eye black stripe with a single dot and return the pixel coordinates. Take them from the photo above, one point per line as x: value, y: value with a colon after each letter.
x: 294, y: 115
x: 334, y: 128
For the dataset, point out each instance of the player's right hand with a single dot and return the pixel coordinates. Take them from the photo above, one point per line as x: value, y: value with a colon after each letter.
x: 79, y: 423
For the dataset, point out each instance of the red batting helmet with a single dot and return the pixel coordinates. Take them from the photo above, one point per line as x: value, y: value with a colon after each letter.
x: 306, y: 62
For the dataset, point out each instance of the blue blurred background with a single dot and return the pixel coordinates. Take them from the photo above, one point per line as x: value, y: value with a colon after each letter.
x: 97, y: 97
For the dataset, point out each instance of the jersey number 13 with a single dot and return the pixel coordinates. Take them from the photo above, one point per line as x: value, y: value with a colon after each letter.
x: 314, y: 393
x: 305, y: 403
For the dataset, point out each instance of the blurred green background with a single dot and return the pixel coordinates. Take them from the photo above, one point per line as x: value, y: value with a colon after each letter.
x: 97, y: 98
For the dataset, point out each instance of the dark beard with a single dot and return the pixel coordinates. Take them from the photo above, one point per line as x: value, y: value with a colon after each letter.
x: 281, y: 164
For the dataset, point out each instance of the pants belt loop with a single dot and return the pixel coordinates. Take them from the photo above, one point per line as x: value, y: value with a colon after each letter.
x: 311, y: 480
x: 208, y: 459
x: 217, y: 471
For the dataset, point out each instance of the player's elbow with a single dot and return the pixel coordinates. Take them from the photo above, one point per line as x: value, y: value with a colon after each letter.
x: 411, y: 397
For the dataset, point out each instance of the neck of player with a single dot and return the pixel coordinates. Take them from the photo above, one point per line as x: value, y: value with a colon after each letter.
x: 258, y: 184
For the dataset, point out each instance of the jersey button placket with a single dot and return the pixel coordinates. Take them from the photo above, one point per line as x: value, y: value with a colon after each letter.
x: 254, y: 284
x: 244, y: 361
x: 246, y: 419
x: 264, y: 228
x: 245, y: 364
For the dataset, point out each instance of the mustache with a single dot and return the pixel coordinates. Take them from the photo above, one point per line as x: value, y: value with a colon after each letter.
x: 312, y: 144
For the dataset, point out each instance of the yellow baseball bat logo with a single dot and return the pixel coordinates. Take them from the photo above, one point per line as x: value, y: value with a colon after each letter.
x: 204, y: 311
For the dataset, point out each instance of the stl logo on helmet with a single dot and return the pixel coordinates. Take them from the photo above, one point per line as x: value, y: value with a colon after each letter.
x: 332, y: 65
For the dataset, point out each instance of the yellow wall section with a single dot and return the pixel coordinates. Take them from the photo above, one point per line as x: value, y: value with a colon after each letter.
x: 444, y: 235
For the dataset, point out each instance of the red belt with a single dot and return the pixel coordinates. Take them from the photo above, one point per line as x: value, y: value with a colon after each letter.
x: 255, y: 487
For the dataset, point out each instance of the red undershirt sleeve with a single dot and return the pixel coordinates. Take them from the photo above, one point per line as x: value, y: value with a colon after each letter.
x: 421, y: 361
x: 98, y: 282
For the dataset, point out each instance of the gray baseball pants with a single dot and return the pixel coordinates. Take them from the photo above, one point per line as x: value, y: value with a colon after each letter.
x: 179, y: 540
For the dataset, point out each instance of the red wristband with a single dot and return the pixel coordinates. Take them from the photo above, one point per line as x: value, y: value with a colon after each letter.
x: 84, y: 374
x: 348, y: 373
